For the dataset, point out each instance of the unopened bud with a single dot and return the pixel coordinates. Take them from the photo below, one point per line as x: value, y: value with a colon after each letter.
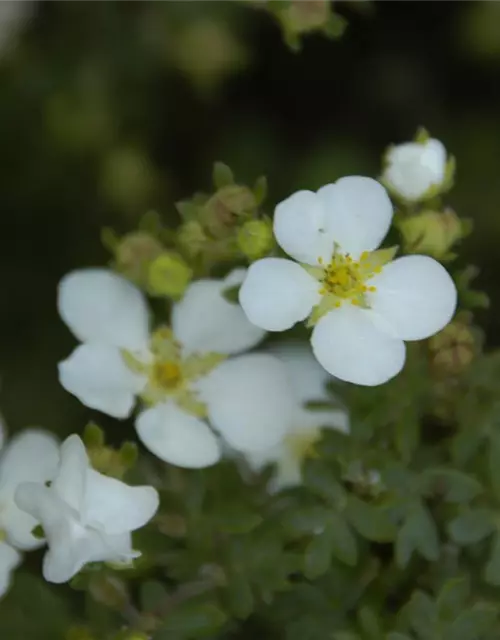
x: 169, y: 275
x: 220, y: 213
x: 453, y: 349
x: 255, y: 239
x: 191, y: 238
x: 432, y: 233
x: 134, y: 255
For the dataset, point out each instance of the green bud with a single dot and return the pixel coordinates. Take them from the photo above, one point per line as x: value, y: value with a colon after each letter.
x: 191, y: 238
x: 93, y: 436
x: 302, y: 17
x: 221, y: 212
x: 433, y: 233
x: 453, y: 349
x: 169, y: 275
x: 134, y: 255
x: 255, y: 239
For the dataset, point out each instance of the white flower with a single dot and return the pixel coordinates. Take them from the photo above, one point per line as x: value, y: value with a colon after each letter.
x: 308, y: 380
x: 363, y: 305
x: 33, y: 455
x: 86, y: 516
x: 413, y: 168
x: 179, y: 374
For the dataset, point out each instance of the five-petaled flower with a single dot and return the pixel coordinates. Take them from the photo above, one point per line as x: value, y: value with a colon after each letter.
x: 181, y: 374
x: 86, y: 516
x: 362, y: 304
x: 308, y: 380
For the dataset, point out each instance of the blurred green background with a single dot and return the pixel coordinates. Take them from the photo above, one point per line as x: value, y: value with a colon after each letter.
x: 108, y: 109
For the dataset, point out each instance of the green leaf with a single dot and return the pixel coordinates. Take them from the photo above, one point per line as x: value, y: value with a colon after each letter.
x: 492, y: 569
x: 422, y: 615
x: 418, y: 533
x: 303, y: 520
x: 318, y: 555
x: 222, y: 175
x: 452, y: 598
x: 152, y: 594
x: 344, y: 545
x: 472, y: 526
x: 238, y: 594
x: 474, y: 623
x: 236, y: 518
x: 371, y: 522
x: 321, y: 480
x: 369, y: 623
x: 260, y: 190
x: 494, y: 462
x: 452, y: 485
x: 194, y: 620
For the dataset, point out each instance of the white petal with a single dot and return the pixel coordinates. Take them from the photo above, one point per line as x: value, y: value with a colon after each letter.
x: 307, y: 377
x: 277, y: 293
x: 413, y: 167
x: 358, y: 213
x: 205, y: 321
x: 310, y: 420
x: 70, y: 483
x: 98, y: 376
x: 33, y: 455
x: 288, y: 472
x: 250, y: 401
x: 10, y: 558
x: 115, y: 506
x: 174, y: 436
x: 3, y: 431
x: 415, y: 295
x: 299, y: 227
x: 100, y: 306
x: 350, y: 345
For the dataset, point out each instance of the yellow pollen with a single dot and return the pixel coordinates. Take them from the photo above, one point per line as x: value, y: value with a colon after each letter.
x: 167, y: 375
x: 345, y: 278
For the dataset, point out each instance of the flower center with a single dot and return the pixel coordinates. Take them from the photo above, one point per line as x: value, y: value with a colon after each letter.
x: 166, y: 375
x: 345, y: 278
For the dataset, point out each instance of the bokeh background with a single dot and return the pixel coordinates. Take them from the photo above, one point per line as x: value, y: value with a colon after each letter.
x: 109, y: 109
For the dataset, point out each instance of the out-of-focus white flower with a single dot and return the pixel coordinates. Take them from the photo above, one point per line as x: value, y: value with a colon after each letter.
x: 13, y: 15
x: 32, y: 455
x: 413, y: 168
x: 180, y: 374
x: 362, y: 304
x: 86, y: 516
x: 308, y: 380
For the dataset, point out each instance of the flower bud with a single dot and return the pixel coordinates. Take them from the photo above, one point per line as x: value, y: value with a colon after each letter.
x: 220, y: 213
x: 453, y: 349
x: 169, y: 275
x: 134, y: 254
x: 432, y: 233
x: 191, y: 238
x: 255, y: 239
x: 418, y: 170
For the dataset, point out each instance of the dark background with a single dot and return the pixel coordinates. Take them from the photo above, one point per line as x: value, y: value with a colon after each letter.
x: 108, y: 109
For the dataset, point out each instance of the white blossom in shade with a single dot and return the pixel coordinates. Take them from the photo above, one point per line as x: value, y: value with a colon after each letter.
x: 308, y: 381
x: 10, y: 559
x: 30, y: 456
x: 86, y: 516
x: 414, y: 168
x: 362, y: 304
x: 179, y: 374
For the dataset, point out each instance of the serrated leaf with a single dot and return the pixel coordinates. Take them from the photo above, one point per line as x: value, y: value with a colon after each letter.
x: 452, y: 598
x: 193, y: 620
x: 452, y: 485
x: 222, y: 175
x: 344, y: 545
x: 494, y: 462
x: 492, y: 569
x: 472, y: 526
x: 321, y: 480
x: 473, y: 623
x: 371, y: 522
x: 418, y: 533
